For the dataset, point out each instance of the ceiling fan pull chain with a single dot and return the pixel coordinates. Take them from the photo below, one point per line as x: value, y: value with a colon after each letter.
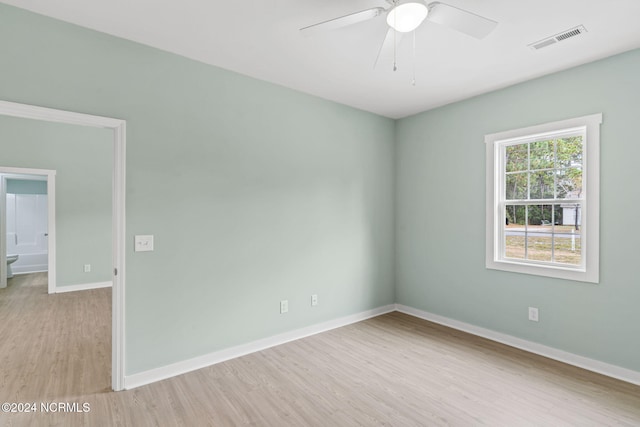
x: 395, y: 64
x: 413, y: 81
x: 395, y: 44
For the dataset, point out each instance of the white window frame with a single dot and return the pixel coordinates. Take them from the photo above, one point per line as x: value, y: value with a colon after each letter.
x: 590, y: 221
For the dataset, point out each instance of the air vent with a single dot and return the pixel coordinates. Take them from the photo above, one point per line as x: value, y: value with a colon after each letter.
x: 558, y: 37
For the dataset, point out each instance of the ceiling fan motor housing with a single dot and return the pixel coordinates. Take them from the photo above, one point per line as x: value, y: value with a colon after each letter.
x: 406, y: 16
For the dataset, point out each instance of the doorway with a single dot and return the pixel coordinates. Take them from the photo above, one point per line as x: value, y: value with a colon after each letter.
x: 27, y: 219
x: 118, y: 128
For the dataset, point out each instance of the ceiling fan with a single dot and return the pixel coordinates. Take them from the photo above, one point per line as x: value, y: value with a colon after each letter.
x: 405, y: 16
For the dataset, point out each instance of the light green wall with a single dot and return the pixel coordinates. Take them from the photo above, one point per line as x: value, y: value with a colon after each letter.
x: 81, y: 157
x: 255, y: 193
x: 26, y: 186
x: 440, y: 212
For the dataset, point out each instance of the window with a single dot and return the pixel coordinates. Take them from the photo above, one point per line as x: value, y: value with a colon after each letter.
x: 543, y: 199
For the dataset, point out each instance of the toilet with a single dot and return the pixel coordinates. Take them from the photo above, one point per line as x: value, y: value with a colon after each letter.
x: 10, y: 260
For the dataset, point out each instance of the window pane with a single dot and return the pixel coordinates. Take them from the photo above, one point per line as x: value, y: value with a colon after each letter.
x: 557, y: 214
x: 568, y: 246
x: 516, y: 186
x: 542, y: 185
x: 515, y: 215
x: 514, y: 246
x: 569, y: 152
x: 514, y: 232
x: 539, y: 215
x: 539, y: 246
x: 542, y: 155
x: 540, y: 232
x: 571, y: 214
x: 516, y: 157
x: 569, y: 183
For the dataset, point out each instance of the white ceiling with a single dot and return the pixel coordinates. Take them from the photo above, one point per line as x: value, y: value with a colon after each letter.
x: 260, y: 38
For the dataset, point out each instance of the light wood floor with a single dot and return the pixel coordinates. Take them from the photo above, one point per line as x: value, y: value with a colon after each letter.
x: 391, y: 370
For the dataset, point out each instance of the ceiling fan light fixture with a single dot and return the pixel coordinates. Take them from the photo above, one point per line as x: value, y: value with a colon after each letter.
x: 406, y: 17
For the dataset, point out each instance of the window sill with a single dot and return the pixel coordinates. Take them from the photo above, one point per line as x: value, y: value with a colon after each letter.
x: 558, y: 272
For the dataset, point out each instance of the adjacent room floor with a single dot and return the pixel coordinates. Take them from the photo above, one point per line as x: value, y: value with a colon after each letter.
x: 389, y: 370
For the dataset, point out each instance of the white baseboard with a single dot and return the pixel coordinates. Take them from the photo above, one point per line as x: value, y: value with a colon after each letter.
x: 28, y: 269
x: 178, y: 368
x: 603, y: 368
x: 82, y: 287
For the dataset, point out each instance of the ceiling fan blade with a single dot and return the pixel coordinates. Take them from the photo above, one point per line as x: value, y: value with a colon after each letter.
x: 461, y: 20
x: 385, y: 54
x: 343, y: 21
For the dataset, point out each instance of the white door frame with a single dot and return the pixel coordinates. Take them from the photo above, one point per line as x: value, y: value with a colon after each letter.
x: 24, y: 173
x: 118, y: 230
x: 3, y: 231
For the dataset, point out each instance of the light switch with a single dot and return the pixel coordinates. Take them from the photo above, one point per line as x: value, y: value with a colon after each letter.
x: 143, y: 243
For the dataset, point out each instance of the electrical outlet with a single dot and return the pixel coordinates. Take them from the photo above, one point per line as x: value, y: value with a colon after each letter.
x: 533, y: 314
x: 314, y: 300
x: 87, y: 268
x: 143, y: 243
x: 284, y: 306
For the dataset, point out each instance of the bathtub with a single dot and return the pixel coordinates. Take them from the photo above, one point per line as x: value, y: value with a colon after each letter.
x: 31, y: 263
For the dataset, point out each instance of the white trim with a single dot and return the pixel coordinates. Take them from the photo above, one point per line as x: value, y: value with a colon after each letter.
x: 590, y: 271
x: 178, y: 368
x: 119, y: 252
x: 24, y: 177
x: 26, y: 111
x: 41, y: 174
x: 603, y: 368
x: 3, y: 232
x: 119, y: 146
x: 28, y: 269
x: 52, y: 267
x: 83, y: 287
